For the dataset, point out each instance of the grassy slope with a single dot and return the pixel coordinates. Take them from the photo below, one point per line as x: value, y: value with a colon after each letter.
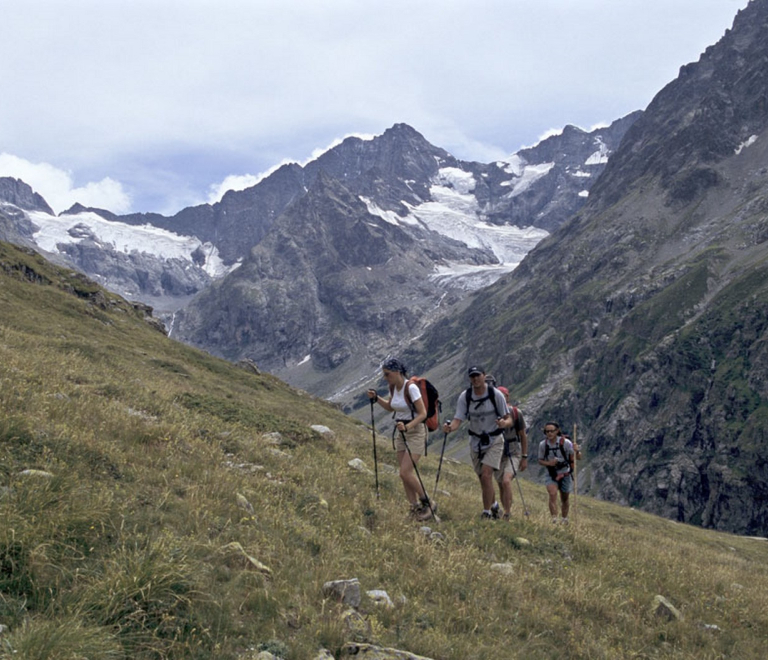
x: 124, y: 551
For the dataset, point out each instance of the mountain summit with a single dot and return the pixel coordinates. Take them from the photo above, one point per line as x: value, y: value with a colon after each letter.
x: 386, y: 237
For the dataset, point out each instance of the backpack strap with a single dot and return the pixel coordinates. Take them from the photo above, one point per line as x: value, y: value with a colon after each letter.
x: 566, y: 458
x: 491, y: 394
x: 515, y: 413
x: 491, y: 434
x: 553, y: 450
x: 407, y: 395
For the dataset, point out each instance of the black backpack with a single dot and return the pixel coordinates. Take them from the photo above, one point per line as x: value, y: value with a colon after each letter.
x: 491, y: 394
x: 553, y: 450
x: 485, y: 438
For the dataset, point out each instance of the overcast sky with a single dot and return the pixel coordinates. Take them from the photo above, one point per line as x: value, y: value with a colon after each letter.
x: 150, y: 105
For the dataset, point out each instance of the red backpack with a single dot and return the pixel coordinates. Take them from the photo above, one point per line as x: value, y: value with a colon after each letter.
x: 431, y: 400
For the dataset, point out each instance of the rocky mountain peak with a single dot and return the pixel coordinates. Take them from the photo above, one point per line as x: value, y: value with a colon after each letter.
x: 78, y: 208
x: 715, y: 105
x: 16, y: 192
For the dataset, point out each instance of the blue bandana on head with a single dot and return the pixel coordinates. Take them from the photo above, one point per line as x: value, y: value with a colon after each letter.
x: 393, y: 364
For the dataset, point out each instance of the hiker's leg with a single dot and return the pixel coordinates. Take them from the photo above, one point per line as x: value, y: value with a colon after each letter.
x: 566, y: 487
x: 503, y: 477
x: 486, y: 484
x: 408, y: 476
x: 552, y: 492
x: 489, y: 469
x: 505, y: 492
x: 417, y: 439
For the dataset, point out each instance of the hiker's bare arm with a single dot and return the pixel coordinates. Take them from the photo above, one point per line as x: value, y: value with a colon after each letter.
x: 421, y: 412
x: 504, y: 422
x: 450, y: 427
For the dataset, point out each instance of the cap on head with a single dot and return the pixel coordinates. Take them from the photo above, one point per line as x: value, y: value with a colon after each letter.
x: 490, y: 379
x: 475, y: 370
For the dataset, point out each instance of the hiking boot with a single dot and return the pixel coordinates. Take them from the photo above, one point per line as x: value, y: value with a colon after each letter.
x: 486, y: 515
x: 425, y: 513
x: 415, y: 510
x: 564, y: 521
x: 505, y: 517
x: 495, y: 511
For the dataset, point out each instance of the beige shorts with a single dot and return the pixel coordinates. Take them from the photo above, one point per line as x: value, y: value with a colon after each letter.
x: 416, y: 437
x: 492, y: 456
x: 506, y: 468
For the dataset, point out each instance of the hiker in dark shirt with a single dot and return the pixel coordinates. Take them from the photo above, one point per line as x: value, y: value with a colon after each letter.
x: 557, y: 455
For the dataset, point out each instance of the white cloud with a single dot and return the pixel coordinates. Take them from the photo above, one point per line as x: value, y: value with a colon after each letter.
x: 232, y: 182
x: 195, y: 94
x: 58, y: 189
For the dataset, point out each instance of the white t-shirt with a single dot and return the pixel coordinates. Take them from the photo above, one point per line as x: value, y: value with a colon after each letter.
x: 400, y: 405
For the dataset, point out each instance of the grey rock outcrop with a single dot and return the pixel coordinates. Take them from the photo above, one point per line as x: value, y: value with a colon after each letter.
x: 661, y: 608
x: 136, y: 275
x: 372, y: 652
x: 345, y: 591
x: 19, y: 194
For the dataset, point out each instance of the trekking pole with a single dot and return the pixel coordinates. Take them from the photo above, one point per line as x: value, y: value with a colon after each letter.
x: 421, y: 483
x: 517, y: 481
x: 575, y: 482
x: 440, y: 464
x: 375, y: 461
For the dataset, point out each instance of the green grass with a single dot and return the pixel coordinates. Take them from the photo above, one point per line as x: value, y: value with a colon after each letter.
x: 123, y: 544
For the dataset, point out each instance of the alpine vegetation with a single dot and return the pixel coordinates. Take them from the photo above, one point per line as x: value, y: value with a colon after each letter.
x: 157, y: 502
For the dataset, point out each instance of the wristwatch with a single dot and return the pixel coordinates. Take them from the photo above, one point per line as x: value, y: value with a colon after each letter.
x: 524, y: 456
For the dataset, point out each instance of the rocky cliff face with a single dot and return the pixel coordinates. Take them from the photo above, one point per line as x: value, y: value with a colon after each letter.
x: 15, y: 227
x: 16, y: 199
x: 643, y: 320
x: 556, y: 175
x: 329, y: 282
x: 19, y: 194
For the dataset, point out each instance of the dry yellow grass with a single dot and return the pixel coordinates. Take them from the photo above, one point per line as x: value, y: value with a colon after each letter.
x: 127, y: 549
